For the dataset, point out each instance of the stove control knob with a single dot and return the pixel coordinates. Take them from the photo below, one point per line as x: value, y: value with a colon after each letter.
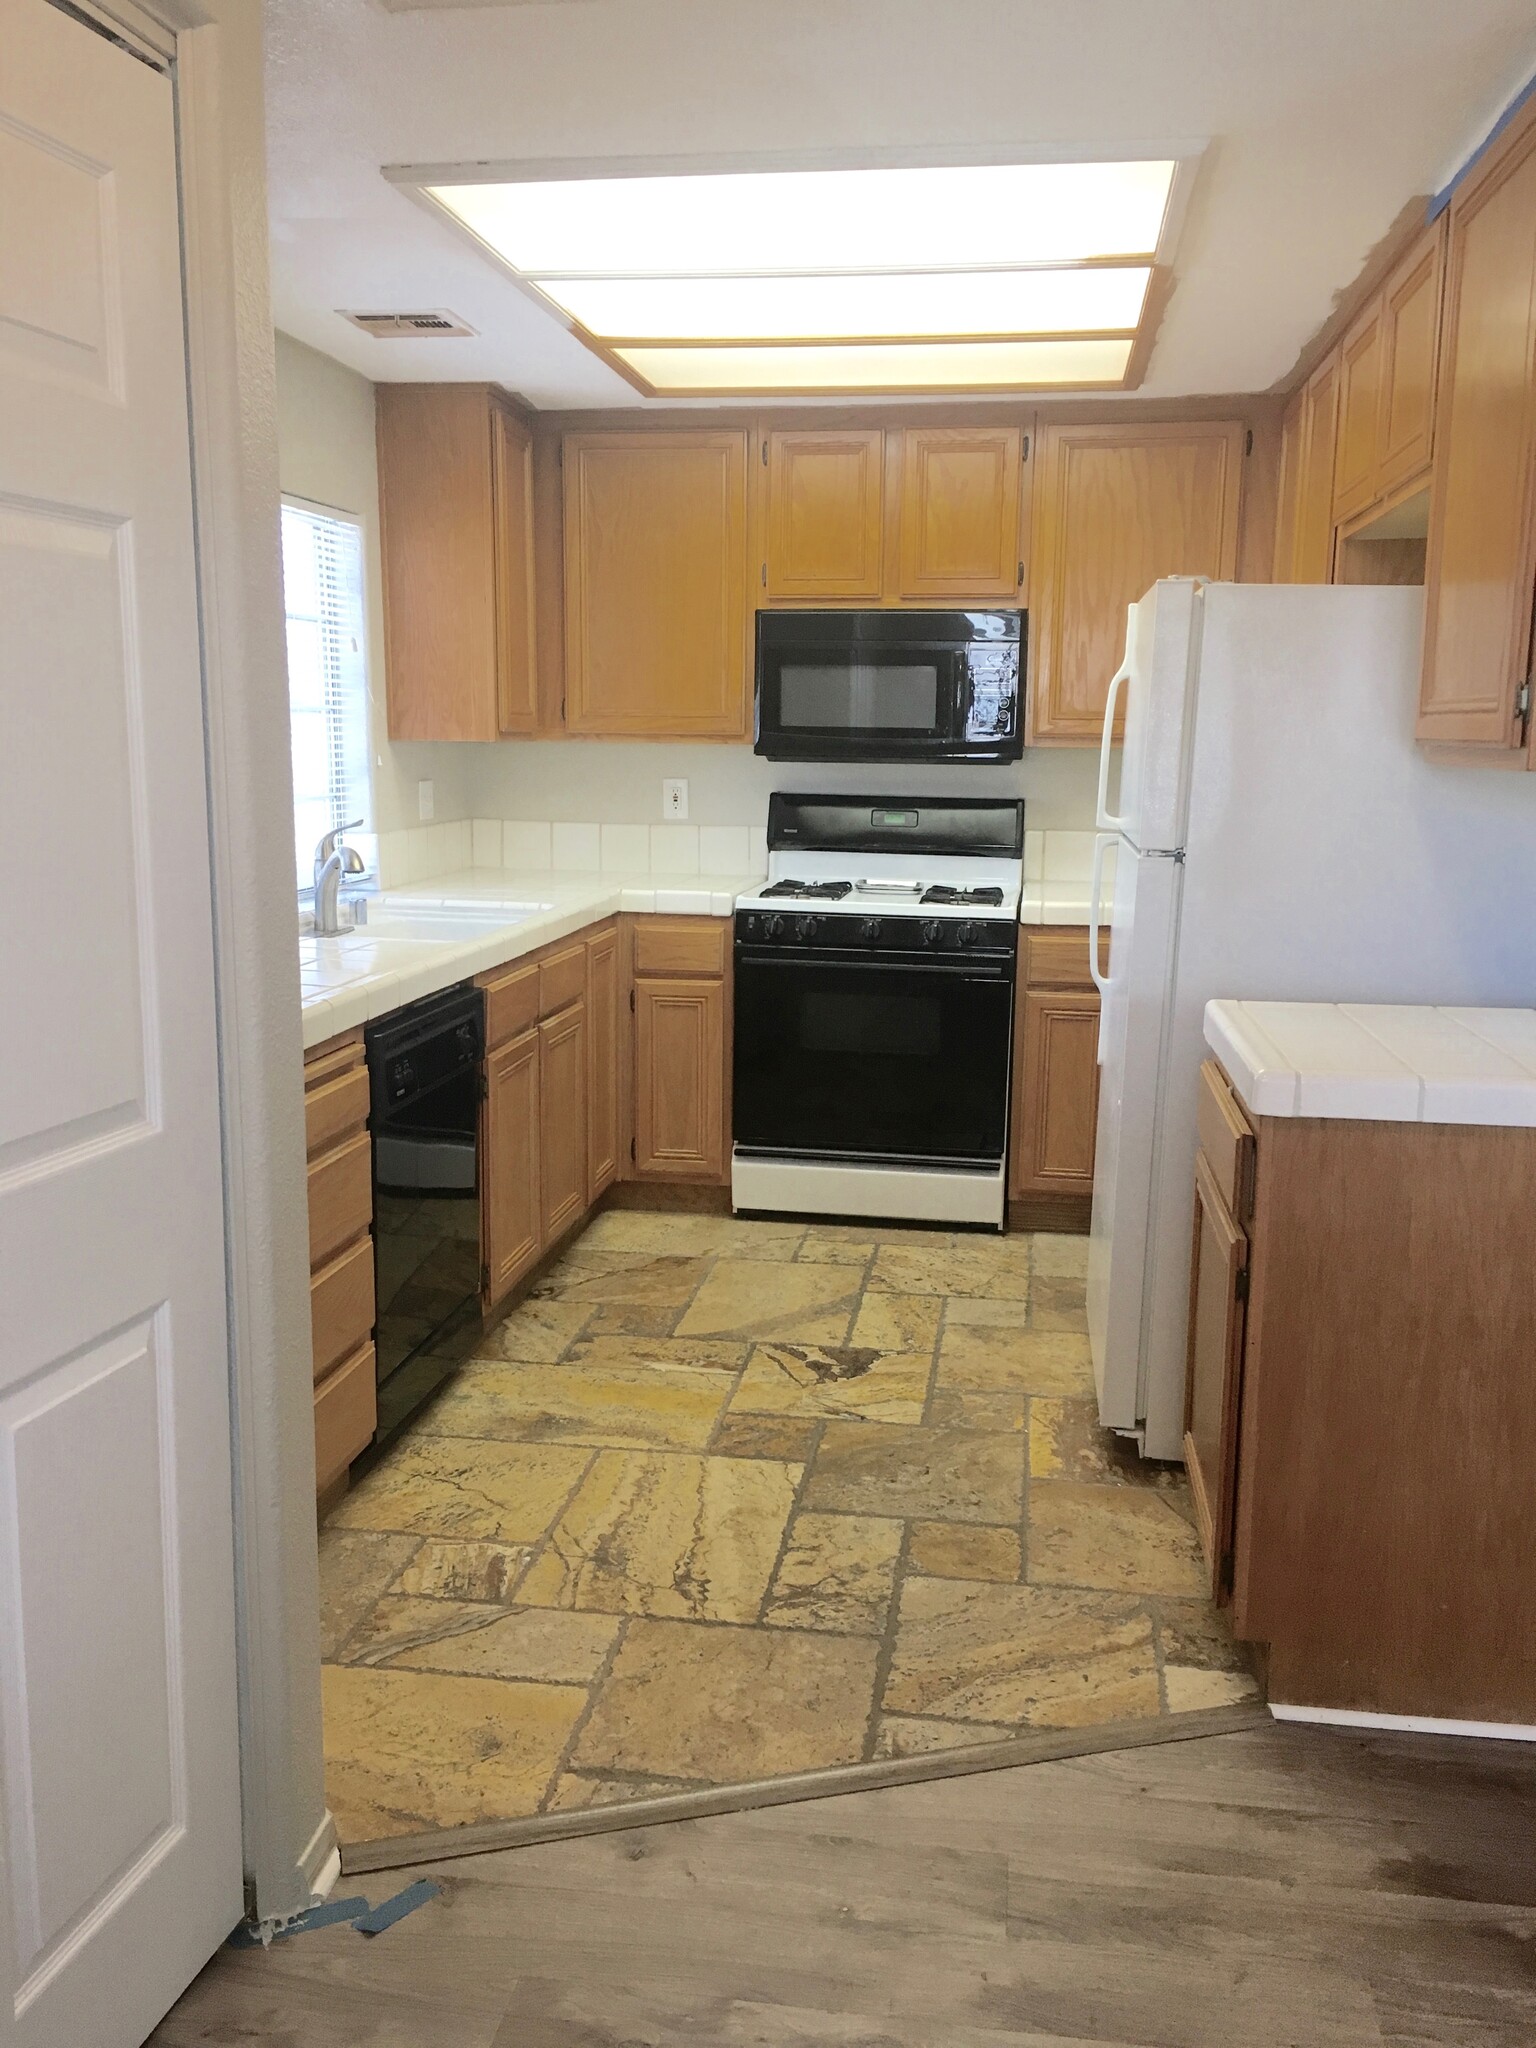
x: 773, y: 926
x: 807, y: 927
x: 933, y: 931
x: 869, y: 929
x: 968, y: 934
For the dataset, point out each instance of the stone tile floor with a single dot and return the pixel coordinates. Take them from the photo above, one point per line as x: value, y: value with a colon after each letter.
x: 729, y: 1498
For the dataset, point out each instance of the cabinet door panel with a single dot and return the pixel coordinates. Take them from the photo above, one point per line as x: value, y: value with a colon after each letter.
x: 602, y: 1061
x: 511, y: 1219
x: 679, y: 1079
x: 512, y: 499
x: 824, y: 514
x: 1410, y: 343
x: 1213, y: 1382
x: 959, y: 512
x: 656, y: 609
x: 1056, y: 1101
x: 1355, y: 453
x: 1312, y: 552
x: 1115, y: 509
x: 346, y: 1416
x: 563, y: 1119
x: 1481, y: 555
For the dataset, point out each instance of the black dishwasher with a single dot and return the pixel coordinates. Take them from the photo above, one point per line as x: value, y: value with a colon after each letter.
x: 426, y: 1066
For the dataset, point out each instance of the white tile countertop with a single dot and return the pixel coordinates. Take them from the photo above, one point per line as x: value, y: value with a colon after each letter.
x: 1379, y: 1062
x: 1058, y: 878
x: 421, y: 939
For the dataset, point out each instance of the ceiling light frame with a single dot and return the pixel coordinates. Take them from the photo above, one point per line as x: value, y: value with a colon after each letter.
x: 417, y: 181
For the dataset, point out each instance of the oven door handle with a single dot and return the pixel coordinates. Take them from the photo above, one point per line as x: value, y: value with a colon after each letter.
x: 978, y: 973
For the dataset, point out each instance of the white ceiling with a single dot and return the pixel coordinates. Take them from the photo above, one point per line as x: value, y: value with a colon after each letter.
x: 1322, y: 117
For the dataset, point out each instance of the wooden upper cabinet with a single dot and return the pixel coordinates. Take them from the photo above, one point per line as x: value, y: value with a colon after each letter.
x: 1359, y: 425
x: 957, y: 512
x: 1312, y: 537
x: 1292, y: 433
x: 824, y: 527
x: 1410, y: 349
x: 457, y: 551
x: 1117, y: 507
x: 1481, y: 557
x: 656, y: 608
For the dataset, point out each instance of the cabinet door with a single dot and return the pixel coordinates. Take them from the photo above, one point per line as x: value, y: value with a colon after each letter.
x: 1116, y: 508
x: 602, y: 1061
x: 1056, y: 1100
x: 512, y: 495
x: 1410, y: 346
x: 824, y: 526
x: 679, y: 1079
x: 958, y: 512
x: 563, y: 1119
x: 1292, y: 431
x: 1481, y: 558
x: 1355, y: 452
x: 1213, y: 1382
x: 1312, y: 551
x: 656, y: 608
x: 509, y: 1201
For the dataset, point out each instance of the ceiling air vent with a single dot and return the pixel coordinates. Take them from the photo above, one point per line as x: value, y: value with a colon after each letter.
x: 409, y: 326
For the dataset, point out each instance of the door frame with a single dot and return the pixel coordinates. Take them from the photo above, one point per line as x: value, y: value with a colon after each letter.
x: 290, y: 1847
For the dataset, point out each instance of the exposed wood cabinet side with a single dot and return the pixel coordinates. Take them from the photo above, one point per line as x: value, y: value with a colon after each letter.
x: 1055, y: 1113
x: 1355, y: 451
x: 1481, y: 557
x: 510, y: 1205
x: 656, y: 601
x: 1213, y: 1382
x: 1116, y: 507
x: 563, y: 1119
x: 824, y: 526
x: 341, y: 1287
x: 602, y: 1060
x: 1312, y: 531
x: 1292, y: 433
x: 1410, y: 350
x: 679, y: 1079
x: 516, y: 650
x: 438, y: 552
x: 960, y: 491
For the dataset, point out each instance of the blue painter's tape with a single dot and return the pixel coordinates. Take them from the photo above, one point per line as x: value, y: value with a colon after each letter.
x: 318, y: 1916
x: 394, y: 1909
x: 1442, y: 198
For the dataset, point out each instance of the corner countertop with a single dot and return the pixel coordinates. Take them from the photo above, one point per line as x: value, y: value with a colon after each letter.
x: 1379, y: 1062
x: 427, y: 937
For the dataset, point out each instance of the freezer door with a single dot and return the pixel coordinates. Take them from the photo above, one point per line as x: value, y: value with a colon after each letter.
x: 1144, y: 927
x: 1156, y: 683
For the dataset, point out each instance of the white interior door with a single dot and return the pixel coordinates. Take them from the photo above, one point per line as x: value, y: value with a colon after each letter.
x: 120, y: 1850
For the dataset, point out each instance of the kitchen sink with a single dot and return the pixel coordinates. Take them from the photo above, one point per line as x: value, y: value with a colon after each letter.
x: 444, y: 924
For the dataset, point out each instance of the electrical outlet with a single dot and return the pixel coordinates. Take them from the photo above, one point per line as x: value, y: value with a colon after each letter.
x: 424, y: 801
x: 674, y: 799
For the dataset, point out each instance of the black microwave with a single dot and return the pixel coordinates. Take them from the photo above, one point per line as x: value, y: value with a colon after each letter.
x: 890, y: 686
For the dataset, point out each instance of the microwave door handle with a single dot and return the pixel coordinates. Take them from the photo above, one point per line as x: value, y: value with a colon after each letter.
x: 1107, y: 820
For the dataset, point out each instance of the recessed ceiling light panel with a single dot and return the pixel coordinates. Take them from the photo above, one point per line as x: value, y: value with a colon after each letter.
x: 882, y: 366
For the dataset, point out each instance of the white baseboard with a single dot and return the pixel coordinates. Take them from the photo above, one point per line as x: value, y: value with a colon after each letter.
x: 320, y: 1863
x: 905, y: 1194
x: 1406, y: 1724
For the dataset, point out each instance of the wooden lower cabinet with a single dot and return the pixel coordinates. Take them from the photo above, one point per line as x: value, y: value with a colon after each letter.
x: 511, y: 1207
x: 679, y: 1079
x: 341, y: 1290
x: 563, y: 1119
x: 602, y: 1060
x: 1055, y: 1074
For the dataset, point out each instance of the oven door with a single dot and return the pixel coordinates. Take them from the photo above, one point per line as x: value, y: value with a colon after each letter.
x: 902, y: 1060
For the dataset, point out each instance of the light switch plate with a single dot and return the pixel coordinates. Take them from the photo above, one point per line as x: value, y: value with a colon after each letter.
x: 424, y: 801
x: 674, y: 798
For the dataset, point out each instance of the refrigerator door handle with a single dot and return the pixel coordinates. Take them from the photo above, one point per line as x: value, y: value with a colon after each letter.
x: 1107, y: 821
x: 1101, y: 842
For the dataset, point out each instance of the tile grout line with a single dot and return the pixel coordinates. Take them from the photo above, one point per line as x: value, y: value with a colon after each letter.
x: 595, y: 1685
x: 885, y: 1653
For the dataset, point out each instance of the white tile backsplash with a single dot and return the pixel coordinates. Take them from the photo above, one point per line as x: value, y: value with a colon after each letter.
x: 674, y: 849
x: 525, y: 845
x: 626, y: 849
x: 723, y: 850
x: 487, y: 843
x: 576, y: 848
x: 1068, y: 856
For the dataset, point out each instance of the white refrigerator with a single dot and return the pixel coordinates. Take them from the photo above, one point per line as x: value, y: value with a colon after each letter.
x: 1277, y: 835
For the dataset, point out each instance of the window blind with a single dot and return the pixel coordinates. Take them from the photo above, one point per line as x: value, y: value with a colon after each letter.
x: 327, y: 676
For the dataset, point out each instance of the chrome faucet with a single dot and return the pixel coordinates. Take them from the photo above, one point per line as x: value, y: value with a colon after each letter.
x: 332, y: 861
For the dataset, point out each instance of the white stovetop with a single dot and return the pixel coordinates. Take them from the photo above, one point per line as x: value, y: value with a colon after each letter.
x: 446, y: 930
x: 1379, y: 1062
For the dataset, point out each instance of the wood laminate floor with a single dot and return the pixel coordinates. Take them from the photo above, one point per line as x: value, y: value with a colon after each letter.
x: 1279, y: 1888
x: 729, y: 1499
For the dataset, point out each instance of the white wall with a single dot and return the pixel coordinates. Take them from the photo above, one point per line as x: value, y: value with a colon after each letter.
x: 326, y: 452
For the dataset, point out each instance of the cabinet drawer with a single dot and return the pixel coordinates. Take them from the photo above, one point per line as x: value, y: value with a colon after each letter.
x: 335, y: 1110
x: 562, y: 978
x: 1057, y: 957
x: 511, y: 1004
x: 340, y: 1198
x: 678, y: 945
x: 346, y: 1415
x: 1226, y: 1139
x: 341, y: 1305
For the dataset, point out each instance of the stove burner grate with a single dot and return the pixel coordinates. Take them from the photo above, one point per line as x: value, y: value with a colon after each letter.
x: 821, y: 892
x: 943, y: 892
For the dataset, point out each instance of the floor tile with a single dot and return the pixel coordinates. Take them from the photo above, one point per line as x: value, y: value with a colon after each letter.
x: 1058, y: 1304
x: 701, y: 1354
x: 990, y: 1358
x: 901, y: 1735
x: 1117, y: 1538
x: 356, y: 1565
x: 957, y: 1269
x: 730, y: 1703
x: 1193, y: 1632
x: 678, y: 1234
x: 534, y: 1642
x: 1189, y: 1688
x: 447, y: 1570
x: 964, y: 1550
x: 817, y: 1248
x: 401, y: 1621
x: 408, y: 1750
x: 1025, y: 1656
x: 789, y: 1438
x: 579, y: 1792
x: 580, y: 1403
x: 837, y: 1573
x: 766, y: 1299
x: 536, y: 1332
x: 658, y: 1282
x: 457, y: 1486
x: 898, y: 1322
x: 846, y: 1380
x: 1058, y: 1256
x: 971, y: 1408
x: 1066, y: 1441
x: 985, y: 1312
x: 667, y: 1534
x: 949, y: 1475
